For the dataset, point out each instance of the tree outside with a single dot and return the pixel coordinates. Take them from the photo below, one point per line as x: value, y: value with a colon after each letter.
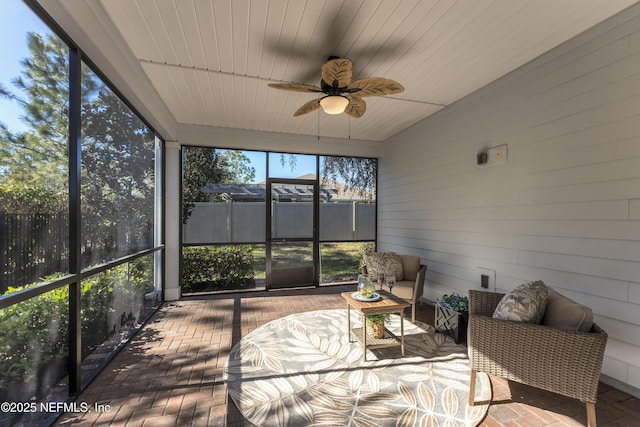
x: 117, y: 206
x: 204, y: 165
x: 118, y: 151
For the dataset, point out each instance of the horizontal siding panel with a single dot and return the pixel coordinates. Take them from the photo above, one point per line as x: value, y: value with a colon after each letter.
x: 475, y: 195
x: 573, y: 143
x: 599, y: 85
x: 566, y: 282
x: 511, y: 275
x: 599, y: 248
x: 634, y: 374
x: 619, y: 170
x: 634, y: 42
x: 545, y: 99
x: 543, y: 179
x: 448, y: 258
x: 617, y: 369
x: 533, y: 76
x: 617, y: 230
x: 449, y: 284
x: 621, y: 350
x: 484, y: 252
x: 434, y: 290
x: 620, y: 331
x: 634, y: 292
x: 607, y: 210
x: 634, y: 209
x: 464, y: 275
x: 607, y: 113
x: 426, y: 178
x: 616, y: 269
x: 554, y: 156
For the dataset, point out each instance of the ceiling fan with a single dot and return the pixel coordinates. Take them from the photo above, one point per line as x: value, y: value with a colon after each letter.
x: 341, y: 94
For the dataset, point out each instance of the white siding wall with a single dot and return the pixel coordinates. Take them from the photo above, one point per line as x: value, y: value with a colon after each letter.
x: 564, y: 208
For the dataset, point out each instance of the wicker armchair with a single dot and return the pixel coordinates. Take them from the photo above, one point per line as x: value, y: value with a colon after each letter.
x: 411, y: 287
x: 563, y: 362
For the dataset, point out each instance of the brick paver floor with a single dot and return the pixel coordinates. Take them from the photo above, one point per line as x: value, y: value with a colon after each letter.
x: 170, y: 374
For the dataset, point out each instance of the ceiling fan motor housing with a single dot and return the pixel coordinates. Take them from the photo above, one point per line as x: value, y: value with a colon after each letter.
x: 332, y: 89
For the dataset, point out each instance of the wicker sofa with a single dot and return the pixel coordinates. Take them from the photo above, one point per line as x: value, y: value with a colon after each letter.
x: 410, y: 286
x: 552, y: 359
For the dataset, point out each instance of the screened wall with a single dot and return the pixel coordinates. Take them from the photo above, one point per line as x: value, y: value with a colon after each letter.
x: 80, y: 216
x: 229, y: 208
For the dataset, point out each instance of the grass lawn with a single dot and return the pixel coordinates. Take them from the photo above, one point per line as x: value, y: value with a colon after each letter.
x: 336, y: 259
x: 339, y: 262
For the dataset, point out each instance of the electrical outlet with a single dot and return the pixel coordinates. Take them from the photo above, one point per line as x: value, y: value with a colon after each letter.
x: 484, y: 281
x: 487, y: 278
x: 495, y: 156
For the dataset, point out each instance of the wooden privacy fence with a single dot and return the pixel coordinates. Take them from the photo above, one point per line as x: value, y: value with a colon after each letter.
x: 32, y: 246
x: 243, y: 222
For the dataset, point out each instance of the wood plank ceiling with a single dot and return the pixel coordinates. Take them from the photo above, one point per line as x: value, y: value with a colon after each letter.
x: 211, y: 60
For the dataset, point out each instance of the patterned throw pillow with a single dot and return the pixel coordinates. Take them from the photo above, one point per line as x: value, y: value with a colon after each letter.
x: 384, y: 263
x: 526, y: 303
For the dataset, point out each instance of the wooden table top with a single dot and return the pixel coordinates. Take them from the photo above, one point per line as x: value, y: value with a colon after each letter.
x: 387, y: 304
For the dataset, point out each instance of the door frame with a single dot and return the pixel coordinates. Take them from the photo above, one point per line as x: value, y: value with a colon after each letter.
x: 315, y: 239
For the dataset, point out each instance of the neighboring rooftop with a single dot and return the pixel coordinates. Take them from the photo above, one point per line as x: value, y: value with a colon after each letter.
x: 330, y: 191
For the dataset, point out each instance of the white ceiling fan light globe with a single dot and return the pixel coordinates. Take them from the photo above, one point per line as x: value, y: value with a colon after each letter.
x: 334, y: 104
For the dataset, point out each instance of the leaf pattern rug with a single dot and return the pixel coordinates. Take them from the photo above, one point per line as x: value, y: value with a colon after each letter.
x: 301, y: 370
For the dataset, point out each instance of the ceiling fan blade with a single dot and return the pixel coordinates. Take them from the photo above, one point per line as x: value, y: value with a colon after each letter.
x: 308, y: 107
x: 375, y: 86
x: 337, y: 72
x: 356, y: 106
x: 296, y: 87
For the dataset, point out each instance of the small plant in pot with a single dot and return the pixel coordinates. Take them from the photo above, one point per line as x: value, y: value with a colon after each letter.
x: 375, y: 325
x: 454, y: 302
x: 452, y: 312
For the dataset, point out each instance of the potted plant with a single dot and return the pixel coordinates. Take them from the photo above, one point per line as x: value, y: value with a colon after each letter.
x: 452, y: 314
x: 454, y: 302
x: 375, y: 325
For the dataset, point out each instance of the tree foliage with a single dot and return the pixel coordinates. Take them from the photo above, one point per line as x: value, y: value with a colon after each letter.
x: 118, y: 188
x: 357, y: 174
x: 240, y: 167
x: 37, y: 157
x: 118, y: 154
x: 204, y: 165
x: 19, y: 199
x: 117, y: 177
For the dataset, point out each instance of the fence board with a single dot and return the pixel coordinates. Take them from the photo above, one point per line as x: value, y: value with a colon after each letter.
x: 32, y: 246
x: 220, y: 222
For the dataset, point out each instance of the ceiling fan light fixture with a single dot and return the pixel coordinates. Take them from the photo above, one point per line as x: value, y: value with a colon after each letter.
x: 334, y: 104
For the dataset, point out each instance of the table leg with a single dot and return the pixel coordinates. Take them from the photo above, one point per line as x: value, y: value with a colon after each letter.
x: 402, y: 332
x: 349, y: 321
x: 364, y: 338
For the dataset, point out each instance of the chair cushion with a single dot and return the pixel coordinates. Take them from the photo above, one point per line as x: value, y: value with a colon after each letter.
x: 384, y: 263
x: 410, y: 266
x: 563, y: 313
x: 526, y: 303
x: 403, y: 289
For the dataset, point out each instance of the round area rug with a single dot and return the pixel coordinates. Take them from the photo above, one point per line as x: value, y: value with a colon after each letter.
x: 301, y: 370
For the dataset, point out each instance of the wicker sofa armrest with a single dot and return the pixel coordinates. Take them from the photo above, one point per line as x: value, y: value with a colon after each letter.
x: 483, y: 303
x: 564, y: 362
